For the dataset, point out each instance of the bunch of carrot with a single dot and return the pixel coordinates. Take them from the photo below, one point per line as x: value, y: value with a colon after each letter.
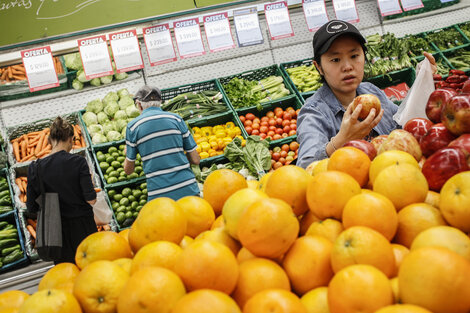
x: 22, y: 183
x: 17, y: 72
x: 31, y: 226
x: 35, y: 145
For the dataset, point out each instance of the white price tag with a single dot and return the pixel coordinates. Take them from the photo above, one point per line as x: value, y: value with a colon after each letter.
x: 159, y: 44
x: 40, y: 69
x: 277, y: 16
x: 188, y: 38
x: 95, y: 57
x: 247, y: 27
x: 315, y: 13
x: 409, y: 5
x: 126, y: 51
x: 389, y: 7
x: 345, y: 10
x: 218, y: 32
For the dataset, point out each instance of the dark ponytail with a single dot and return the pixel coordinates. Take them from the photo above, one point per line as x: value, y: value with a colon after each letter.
x: 61, y: 130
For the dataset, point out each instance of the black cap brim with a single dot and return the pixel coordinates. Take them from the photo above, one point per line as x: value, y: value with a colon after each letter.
x: 324, y: 48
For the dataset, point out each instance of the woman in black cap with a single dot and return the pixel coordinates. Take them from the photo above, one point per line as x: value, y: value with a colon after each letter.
x: 326, y: 121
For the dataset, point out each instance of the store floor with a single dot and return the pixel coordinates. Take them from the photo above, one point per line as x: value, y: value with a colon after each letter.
x: 26, y: 278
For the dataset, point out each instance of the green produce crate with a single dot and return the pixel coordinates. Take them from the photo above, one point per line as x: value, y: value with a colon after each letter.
x: 463, y: 39
x: 407, y: 75
x: 12, y: 218
x: 465, y: 28
x: 4, y: 173
x: 257, y: 75
x: 429, y: 5
x: 170, y: 93
x: 284, y: 66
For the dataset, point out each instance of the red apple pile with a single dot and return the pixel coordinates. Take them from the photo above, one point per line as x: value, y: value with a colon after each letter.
x: 284, y: 154
x: 456, y: 80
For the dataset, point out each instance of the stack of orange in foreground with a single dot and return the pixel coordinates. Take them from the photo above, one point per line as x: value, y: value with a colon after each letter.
x: 366, y: 237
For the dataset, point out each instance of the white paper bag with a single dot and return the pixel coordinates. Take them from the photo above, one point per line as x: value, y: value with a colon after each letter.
x: 414, y: 104
x: 101, y: 210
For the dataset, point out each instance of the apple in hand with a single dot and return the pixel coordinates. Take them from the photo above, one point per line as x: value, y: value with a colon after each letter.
x: 400, y: 139
x: 437, y: 137
x: 368, y: 102
x: 466, y: 86
x: 435, y: 102
x: 418, y: 127
x: 363, y: 145
x: 377, y: 141
x: 455, y: 114
x: 442, y: 165
x: 462, y: 143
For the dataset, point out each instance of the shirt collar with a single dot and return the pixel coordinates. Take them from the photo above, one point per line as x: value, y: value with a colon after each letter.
x: 152, y: 109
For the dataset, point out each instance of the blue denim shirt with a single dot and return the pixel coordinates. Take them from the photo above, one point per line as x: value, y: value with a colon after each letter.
x: 320, y: 119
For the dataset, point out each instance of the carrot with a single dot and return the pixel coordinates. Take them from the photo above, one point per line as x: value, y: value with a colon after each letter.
x: 32, y: 222
x: 4, y: 75
x: 18, y: 67
x: 19, y: 184
x: 16, y: 150
x: 24, y: 145
x: 31, y: 231
x: 76, y: 147
x: 24, y: 178
x: 10, y: 74
x: 40, y: 143
x: 28, y: 158
x: 25, y: 185
x: 42, y: 153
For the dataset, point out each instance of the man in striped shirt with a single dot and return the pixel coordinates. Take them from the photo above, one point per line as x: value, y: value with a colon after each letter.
x: 165, y: 145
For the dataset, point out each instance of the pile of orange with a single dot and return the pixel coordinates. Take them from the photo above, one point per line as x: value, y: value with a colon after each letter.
x: 351, y: 235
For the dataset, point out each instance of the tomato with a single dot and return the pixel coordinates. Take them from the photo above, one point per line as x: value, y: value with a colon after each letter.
x: 277, y: 149
x: 287, y: 116
x: 284, y: 135
x: 272, y: 122
x: 293, y: 122
x: 285, y: 147
x: 256, y: 120
x: 264, y: 123
x: 289, y: 158
x: 264, y: 129
x: 294, y: 145
x: 292, y: 132
x: 250, y: 116
x: 279, y: 113
x: 279, y: 131
x: 249, y: 130
x: 276, y: 156
x: 286, y: 129
x: 270, y: 114
x: 293, y: 126
x: 255, y: 132
x: 290, y: 109
x: 277, y: 110
x: 277, y: 165
x: 247, y: 123
x: 283, y: 153
x: 270, y: 133
x: 285, y: 123
x: 282, y: 160
x: 264, y: 119
x: 279, y: 121
x: 297, y: 112
x: 262, y: 135
x: 273, y: 128
x: 290, y: 153
x: 272, y: 163
x: 255, y: 125
x: 277, y: 137
x: 242, y: 118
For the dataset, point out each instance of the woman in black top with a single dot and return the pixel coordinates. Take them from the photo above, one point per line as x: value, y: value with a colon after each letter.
x: 68, y: 175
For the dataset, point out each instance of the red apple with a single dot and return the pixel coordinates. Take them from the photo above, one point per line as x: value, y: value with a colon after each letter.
x: 462, y: 143
x: 418, y: 127
x: 437, y: 137
x: 466, y: 86
x: 377, y: 141
x: 400, y: 139
x: 455, y: 114
x: 363, y: 145
x: 435, y: 102
x: 442, y: 165
x: 368, y: 102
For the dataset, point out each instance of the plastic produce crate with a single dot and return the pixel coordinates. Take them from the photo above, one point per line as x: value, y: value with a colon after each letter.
x: 5, y: 174
x: 407, y: 75
x: 257, y: 75
x: 448, y: 55
x: 463, y: 39
x: 12, y: 218
x: 284, y: 66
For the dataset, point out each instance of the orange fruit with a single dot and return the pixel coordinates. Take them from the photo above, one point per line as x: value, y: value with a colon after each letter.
x: 455, y: 201
x: 403, y: 308
x: 98, y: 286
x: 415, y: 218
x: 403, y: 184
x: 274, y: 300
x: 124, y: 263
x: 387, y: 158
x: 436, y: 279
x: 125, y: 234
x: 396, y: 294
x: 351, y: 161
x: 12, y: 299
x: 244, y: 254
x: 62, y: 276
x: 236, y: 204
x: 151, y: 289
x: 256, y: 275
x: 432, y: 198
x: 104, y: 245
x: 208, y: 264
x: 328, y: 193
x: 308, y: 263
x: 317, y: 167
x: 50, y: 301
x: 289, y: 183
x: 363, y: 245
x: 400, y: 252
x: 186, y: 241
x: 218, y: 223
x: 220, y: 185
x: 359, y: 288
x: 158, y: 253
x: 10, y: 310
x: 306, y: 220
x: 206, y: 301
x: 268, y: 228
x: 221, y: 236
x: 443, y: 236
x: 159, y: 219
x: 372, y: 210
x: 263, y: 180
x: 316, y: 300
x: 329, y: 228
x: 199, y: 214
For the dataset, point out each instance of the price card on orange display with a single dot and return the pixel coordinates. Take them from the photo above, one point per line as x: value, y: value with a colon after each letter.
x: 409, y: 5
x: 159, y: 44
x: 315, y: 13
x: 126, y: 51
x: 346, y: 10
x: 95, y: 57
x: 218, y: 32
x: 40, y: 69
x: 247, y: 27
x: 188, y: 38
x: 277, y: 16
x: 389, y: 7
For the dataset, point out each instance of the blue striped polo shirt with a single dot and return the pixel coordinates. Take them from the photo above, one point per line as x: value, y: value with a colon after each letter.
x: 161, y: 138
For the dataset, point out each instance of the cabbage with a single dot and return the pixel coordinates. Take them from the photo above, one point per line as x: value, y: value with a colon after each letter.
x: 95, y: 82
x: 77, y: 85
x: 111, y: 96
x: 123, y: 132
x: 123, y: 92
x: 111, y: 108
x: 113, y: 136
x: 132, y: 111
x: 120, y: 76
x: 81, y: 76
x: 73, y: 61
x: 102, y: 117
x: 125, y: 102
x: 90, y: 118
x: 94, y: 106
x: 120, y: 124
x: 99, y: 138
x: 120, y: 115
x: 109, y: 126
x: 95, y: 129
x: 106, y: 79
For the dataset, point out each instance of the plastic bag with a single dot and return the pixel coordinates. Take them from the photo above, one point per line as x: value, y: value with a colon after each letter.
x: 414, y: 105
x: 101, y: 210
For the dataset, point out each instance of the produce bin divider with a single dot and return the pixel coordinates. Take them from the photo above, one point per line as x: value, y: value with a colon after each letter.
x: 284, y: 66
x: 12, y: 218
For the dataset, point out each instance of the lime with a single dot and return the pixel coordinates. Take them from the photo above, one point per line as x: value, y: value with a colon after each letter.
x: 136, y: 193
x: 139, y: 208
x: 143, y: 196
x: 114, y: 174
x: 129, y: 214
x: 121, y: 208
x: 109, y: 170
x: 143, y: 186
x: 121, y: 147
x: 120, y: 169
x: 116, y: 164
x: 104, y: 166
x: 126, y: 191
x: 143, y: 201
x: 100, y: 157
x: 99, y: 153
x: 121, y: 159
x: 117, y: 197
x: 138, y: 163
x: 133, y: 175
x: 122, y: 178
x: 115, y: 155
x: 115, y: 205
x: 109, y: 159
x: 106, y: 177
x: 135, y: 214
x: 112, y: 149
x: 138, y: 169
x: 111, y: 193
x: 134, y: 205
x: 138, y: 157
x: 142, y: 174
x: 112, y: 180
x: 122, y: 174
x: 124, y: 201
x: 120, y: 217
x: 144, y: 191
x: 131, y: 198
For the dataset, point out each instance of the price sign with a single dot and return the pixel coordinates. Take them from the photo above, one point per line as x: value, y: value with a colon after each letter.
x: 95, y: 57
x: 315, y: 13
x: 277, y: 16
x: 389, y: 7
x: 40, y: 69
x: 345, y: 10
x: 159, y: 44
x: 188, y: 38
x: 218, y: 32
x: 126, y: 51
x: 409, y: 5
x: 247, y: 27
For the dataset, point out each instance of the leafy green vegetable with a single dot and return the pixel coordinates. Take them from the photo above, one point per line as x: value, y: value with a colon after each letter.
x: 94, y: 106
x: 120, y: 76
x: 77, y: 85
x: 95, y: 82
x: 73, y: 61
x: 255, y: 155
x: 196, y: 104
x: 446, y: 39
x: 417, y: 45
x: 460, y: 60
x: 465, y: 29
x: 106, y: 79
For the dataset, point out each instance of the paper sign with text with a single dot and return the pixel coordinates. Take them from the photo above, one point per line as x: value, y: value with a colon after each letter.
x: 218, y: 32
x: 159, y: 44
x: 277, y: 16
x: 389, y: 7
x: 188, y: 38
x: 95, y: 57
x: 346, y: 10
x: 126, y: 51
x: 409, y: 5
x: 247, y: 27
x: 40, y: 69
x: 315, y: 13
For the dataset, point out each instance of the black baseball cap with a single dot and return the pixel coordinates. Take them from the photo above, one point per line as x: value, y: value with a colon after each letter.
x: 326, y: 34
x: 148, y: 93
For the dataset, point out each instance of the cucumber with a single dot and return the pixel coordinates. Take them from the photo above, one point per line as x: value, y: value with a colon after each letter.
x: 6, y: 243
x: 4, y: 186
x: 3, y: 224
x: 4, y: 193
x: 7, y: 251
x: 5, y: 209
x: 12, y: 257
